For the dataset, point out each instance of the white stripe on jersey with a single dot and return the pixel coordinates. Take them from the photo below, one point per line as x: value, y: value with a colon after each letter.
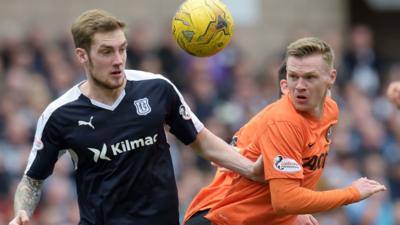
x: 142, y: 75
x: 74, y: 158
x: 70, y: 96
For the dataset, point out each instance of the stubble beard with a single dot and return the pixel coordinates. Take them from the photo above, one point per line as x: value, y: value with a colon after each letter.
x: 103, y: 84
x: 107, y: 85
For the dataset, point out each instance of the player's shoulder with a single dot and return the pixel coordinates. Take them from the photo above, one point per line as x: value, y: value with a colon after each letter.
x: 277, y: 113
x: 284, y: 111
x: 157, y: 80
x: 69, y: 96
x: 139, y: 75
x: 331, y: 107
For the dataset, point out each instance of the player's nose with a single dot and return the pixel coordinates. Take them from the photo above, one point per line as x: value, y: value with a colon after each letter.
x: 118, y: 59
x: 301, y: 84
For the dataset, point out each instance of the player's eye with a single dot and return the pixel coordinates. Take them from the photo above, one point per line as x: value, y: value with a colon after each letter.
x: 292, y: 77
x: 105, y: 52
x: 310, y: 77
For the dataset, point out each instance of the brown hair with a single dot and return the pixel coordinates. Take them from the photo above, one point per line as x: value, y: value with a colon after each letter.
x: 281, y: 76
x: 309, y: 46
x: 91, y: 22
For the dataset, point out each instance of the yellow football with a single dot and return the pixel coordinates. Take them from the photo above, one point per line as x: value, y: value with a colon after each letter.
x: 202, y: 27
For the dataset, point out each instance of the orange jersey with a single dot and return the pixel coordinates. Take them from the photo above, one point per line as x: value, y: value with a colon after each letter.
x: 210, y: 195
x: 294, y: 145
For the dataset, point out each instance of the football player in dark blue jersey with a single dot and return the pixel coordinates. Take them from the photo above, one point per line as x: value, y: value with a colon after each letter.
x: 112, y: 125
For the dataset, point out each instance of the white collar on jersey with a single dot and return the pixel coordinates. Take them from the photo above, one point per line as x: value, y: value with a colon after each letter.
x: 100, y: 104
x: 109, y: 107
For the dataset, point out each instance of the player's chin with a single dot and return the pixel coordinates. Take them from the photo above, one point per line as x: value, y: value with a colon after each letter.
x: 302, y: 107
x: 116, y: 83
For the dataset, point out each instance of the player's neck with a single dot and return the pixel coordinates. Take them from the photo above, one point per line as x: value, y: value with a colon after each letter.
x: 318, y: 112
x: 101, y: 94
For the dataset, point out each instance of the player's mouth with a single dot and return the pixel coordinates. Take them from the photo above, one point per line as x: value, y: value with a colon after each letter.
x: 302, y: 99
x: 116, y: 73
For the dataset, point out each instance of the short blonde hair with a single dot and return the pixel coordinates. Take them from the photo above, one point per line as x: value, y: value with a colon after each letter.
x: 91, y: 22
x: 310, y: 46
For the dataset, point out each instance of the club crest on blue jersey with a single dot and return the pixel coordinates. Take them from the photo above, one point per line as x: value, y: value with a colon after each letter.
x: 142, y: 106
x: 185, y: 112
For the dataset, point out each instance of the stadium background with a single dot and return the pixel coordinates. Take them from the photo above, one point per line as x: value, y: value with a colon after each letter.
x: 37, y: 65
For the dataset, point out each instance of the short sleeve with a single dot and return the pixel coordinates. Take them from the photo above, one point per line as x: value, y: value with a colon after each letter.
x: 45, y: 150
x: 281, y: 145
x: 183, y: 123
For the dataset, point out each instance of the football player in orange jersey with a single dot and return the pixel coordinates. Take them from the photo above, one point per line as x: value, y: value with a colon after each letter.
x: 218, y: 188
x: 293, y: 136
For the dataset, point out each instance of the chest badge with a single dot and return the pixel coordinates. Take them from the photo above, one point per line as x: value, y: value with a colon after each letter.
x: 142, y: 106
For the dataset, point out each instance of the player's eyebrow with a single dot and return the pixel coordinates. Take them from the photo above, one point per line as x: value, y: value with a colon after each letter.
x: 291, y: 72
x: 106, y: 46
x: 310, y: 73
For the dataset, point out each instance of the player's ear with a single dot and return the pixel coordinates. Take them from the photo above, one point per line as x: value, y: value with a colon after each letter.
x: 284, y: 87
x: 332, y: 78
x: 82, y: 55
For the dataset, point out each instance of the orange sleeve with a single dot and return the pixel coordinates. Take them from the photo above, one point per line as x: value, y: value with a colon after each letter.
x: 288, y: 197
x: 281, y: 145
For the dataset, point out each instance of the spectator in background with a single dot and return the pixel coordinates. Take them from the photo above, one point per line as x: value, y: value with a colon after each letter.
x: 377, y: 210
x: 138, y: 44
x: 37, y: 43
x: 172, y: 59
x: 393, y: 93
x: 362, y: 64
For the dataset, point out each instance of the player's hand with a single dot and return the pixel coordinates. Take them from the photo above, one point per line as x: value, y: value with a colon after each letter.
x: 258, y: 170
x: 21, y: 218
x: 368, y: 187
x: 393, y: 93
x: 306, y: 219
x: 257, y: 173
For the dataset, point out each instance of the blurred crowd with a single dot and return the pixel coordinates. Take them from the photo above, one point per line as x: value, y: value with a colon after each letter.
x: 224, y: 91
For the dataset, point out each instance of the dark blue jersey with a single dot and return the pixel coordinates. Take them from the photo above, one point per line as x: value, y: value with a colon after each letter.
x: 124, y: 171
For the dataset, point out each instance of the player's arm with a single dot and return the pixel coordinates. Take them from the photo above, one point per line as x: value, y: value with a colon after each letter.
x: 26, y: 199
x: 306, y: 219
x: 288, y: 197
x: 41, y: 161
x: 188, y: 128
x: 218, y: 151
x: 281, y: 141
